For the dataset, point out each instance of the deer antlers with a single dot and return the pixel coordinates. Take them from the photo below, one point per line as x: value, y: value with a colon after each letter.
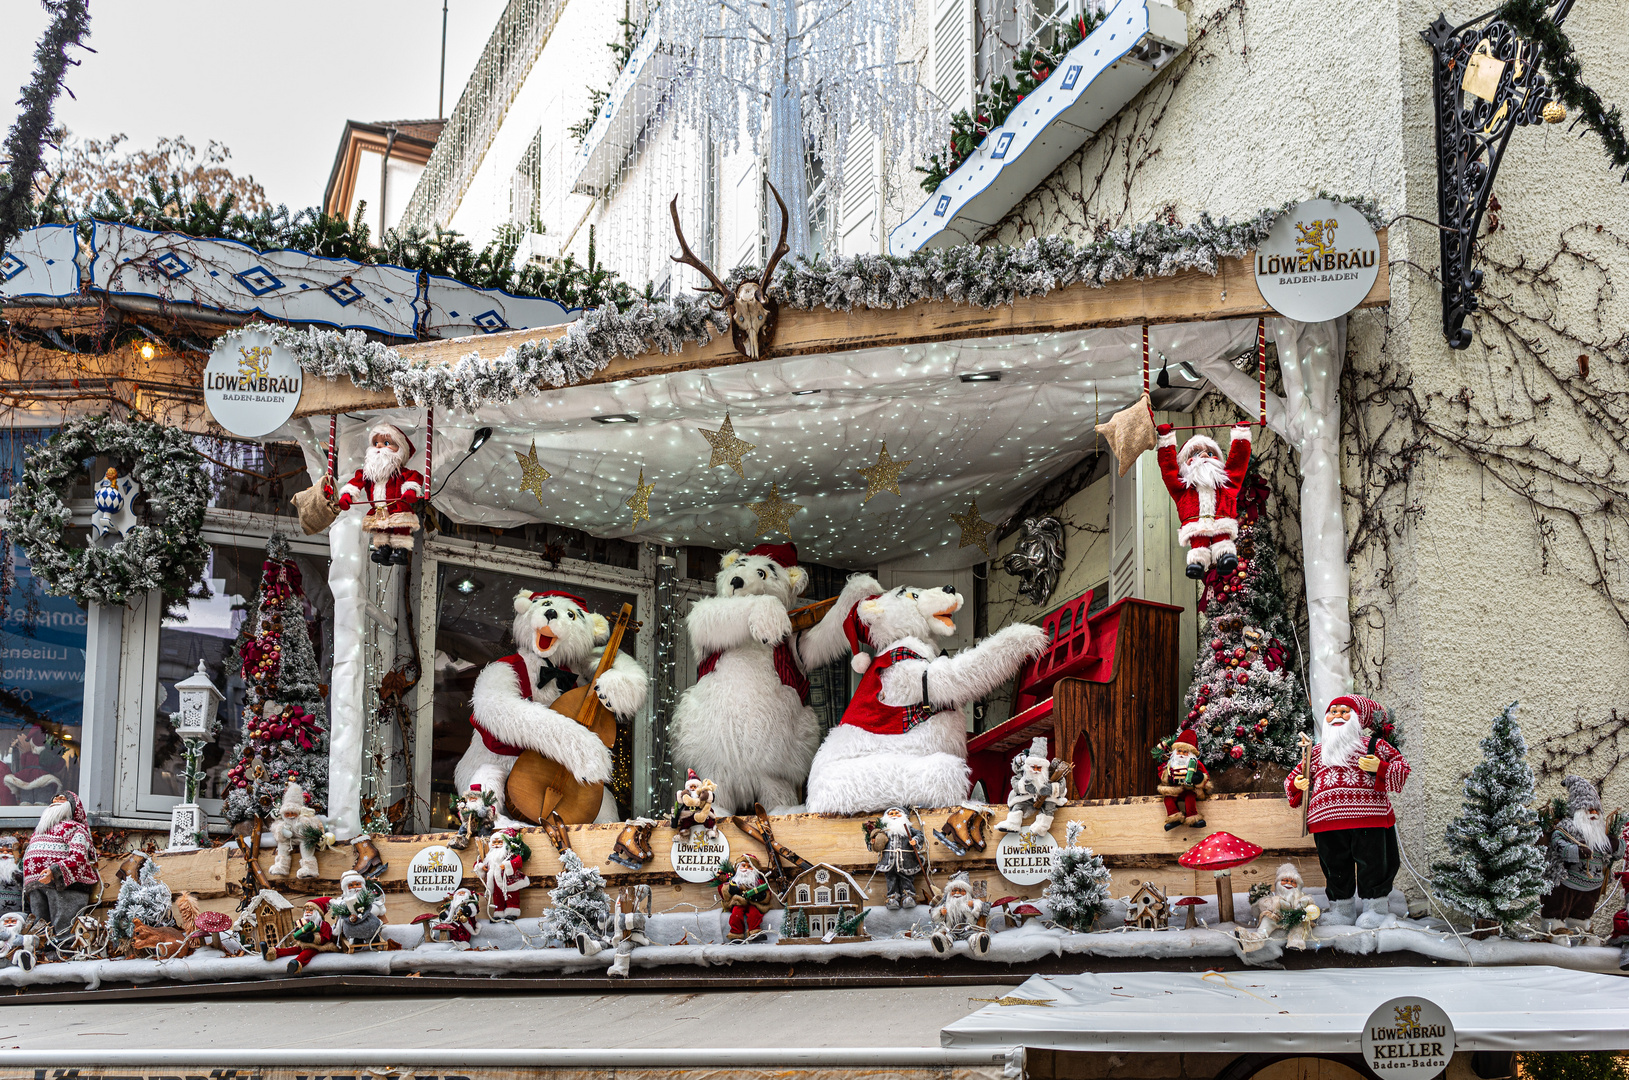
x: 752, y: 312
x: 689, y: 259
x: 781, y: 248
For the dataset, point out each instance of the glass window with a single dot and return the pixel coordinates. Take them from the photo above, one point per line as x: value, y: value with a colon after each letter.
x: 206, y: 629
x: 841, y: 893
x: 803, y: 894
x: 474, y: 612
x: 42, y: 666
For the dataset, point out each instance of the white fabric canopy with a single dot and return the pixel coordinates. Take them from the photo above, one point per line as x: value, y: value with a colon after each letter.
x: 1313, y: 1012
x: 996, y: 442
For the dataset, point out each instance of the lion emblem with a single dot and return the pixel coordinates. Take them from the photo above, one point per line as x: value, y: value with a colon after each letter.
x: 252, y: 362
x: 1317, y: 239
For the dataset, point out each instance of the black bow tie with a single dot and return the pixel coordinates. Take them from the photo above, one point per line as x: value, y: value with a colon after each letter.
x: 562, y: 679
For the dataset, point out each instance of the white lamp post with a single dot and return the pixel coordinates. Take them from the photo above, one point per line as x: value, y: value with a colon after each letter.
x: 194, y: 723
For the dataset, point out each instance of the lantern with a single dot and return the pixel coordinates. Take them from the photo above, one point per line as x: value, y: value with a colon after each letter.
x: 199, y: 699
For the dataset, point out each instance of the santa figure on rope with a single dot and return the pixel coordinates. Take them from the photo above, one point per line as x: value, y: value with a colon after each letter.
x: 391, y: 491
x: 1352, y: 775
x: 1206, y: 491
x: 1581, y: 854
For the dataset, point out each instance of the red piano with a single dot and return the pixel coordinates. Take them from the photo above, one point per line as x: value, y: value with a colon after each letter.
x: 1103, y: 694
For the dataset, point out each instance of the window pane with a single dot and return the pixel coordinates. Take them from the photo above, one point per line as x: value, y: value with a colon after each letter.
x: 474, y: 613
x: 42, y: 666
x: 207, y: 632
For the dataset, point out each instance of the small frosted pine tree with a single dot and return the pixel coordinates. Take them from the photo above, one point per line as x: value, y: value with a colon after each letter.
x: 1494, y: 872
x: 1078, y: 889
x: 143, y: 897
x: 578, y: 903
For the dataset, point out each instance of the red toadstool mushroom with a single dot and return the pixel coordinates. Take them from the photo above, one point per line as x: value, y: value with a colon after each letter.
x: 1220, y: 852
x: 1189, y: 902
x: 211, y: 924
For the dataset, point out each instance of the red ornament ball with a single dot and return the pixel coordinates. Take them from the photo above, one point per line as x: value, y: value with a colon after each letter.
x: 1237, y: 752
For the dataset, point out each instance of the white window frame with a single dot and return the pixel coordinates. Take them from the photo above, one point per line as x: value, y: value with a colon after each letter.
x: 138, y: 704
x: 456, y: 551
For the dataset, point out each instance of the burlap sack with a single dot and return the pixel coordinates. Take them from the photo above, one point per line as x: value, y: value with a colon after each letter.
x: 1129, y: 432
x: 316, y: 511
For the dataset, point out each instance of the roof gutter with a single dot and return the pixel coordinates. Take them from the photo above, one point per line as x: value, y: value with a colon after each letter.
x: 1010, y: 1058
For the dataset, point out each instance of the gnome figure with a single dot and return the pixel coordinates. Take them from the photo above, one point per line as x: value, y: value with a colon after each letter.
x: 1206, y: 491
x: 1581, y: 852
x: 296, y: 826
x: 391, y: 490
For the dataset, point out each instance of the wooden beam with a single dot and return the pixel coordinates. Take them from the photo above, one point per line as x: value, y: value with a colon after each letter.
x: 1191, y: 296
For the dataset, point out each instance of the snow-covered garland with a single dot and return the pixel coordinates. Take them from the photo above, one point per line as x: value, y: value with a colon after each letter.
x: 166, y: 553
x: 985, y: 276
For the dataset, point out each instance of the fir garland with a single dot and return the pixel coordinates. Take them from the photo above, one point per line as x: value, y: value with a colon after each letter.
x: 988, y: 277
x: 167, y: 553
x: 1530, y: 19
x: 22, y: 151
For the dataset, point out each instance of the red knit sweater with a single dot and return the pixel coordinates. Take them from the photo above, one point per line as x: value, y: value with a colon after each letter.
x: 1346, y: 797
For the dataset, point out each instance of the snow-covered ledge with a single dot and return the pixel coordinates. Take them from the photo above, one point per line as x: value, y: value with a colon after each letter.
x: 633, y: 98
x: 1093, y: 82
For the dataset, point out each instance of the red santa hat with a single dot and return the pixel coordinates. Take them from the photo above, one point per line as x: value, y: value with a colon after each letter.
x: 318, y: 902
x: 1187, y: 738
x: 784, y: 554
x: 858, y: 634
x: 395, y: 434
x: 573, y: 597
x: 1198, y: 442
x: 1369, y: 713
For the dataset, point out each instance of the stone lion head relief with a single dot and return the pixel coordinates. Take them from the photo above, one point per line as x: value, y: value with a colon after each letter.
x: 1037, y: 559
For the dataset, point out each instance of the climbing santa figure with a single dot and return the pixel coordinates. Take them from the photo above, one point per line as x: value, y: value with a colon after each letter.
x: 1206, y: 491
x: 391, y: 490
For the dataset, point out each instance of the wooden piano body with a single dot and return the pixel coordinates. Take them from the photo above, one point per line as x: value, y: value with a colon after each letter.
x: 1103, y: 694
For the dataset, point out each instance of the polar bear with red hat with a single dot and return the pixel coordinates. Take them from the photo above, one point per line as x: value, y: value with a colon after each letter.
x: 390, y: 490
x: 557, y: 641
x: 746, y: 723
x: 903, y: 740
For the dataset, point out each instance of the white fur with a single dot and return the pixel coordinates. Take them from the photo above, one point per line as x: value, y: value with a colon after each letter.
x: 739, y: 725
x: 858, y: 771
x: 511, y: 718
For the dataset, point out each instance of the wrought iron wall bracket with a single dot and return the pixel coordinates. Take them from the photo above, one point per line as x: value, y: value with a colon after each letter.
x: 1472, y: 134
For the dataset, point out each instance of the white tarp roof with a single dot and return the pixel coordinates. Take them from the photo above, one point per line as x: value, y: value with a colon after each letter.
x: 1313, y: 1012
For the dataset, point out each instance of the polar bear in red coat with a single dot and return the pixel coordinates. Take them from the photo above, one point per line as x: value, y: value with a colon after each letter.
x: 903, y: 740
x: 746, y: 724
x: 557, y: 640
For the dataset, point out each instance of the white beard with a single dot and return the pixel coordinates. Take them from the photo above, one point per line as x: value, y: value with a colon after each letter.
x: 1341, y: 744
x: 1203, y: 472
x: 959, y: 909
x: 1179, y: 763
x: 746, y: 878
x: 52, y: 816
x: 896, y: 826
x: 381, y: 464
x: 1591, y: 831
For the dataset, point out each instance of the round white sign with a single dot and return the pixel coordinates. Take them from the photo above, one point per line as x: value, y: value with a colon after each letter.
x: 1025, y: 858
x: 699, y: 861
x: 251, y: 385
x: 1319, y: 261
x: 1408, y: 1038
x: 435, y: 873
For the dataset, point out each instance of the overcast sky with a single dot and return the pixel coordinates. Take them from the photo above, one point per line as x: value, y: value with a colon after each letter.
x: 275, y: 82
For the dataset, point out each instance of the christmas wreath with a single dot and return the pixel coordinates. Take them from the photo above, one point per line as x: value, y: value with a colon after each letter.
x: 166, y: 551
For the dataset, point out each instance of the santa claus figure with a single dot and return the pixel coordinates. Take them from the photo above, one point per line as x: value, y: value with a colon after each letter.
x: 296, y: 826
x: 693, y: 808
x: 745, y: 895
x: 500, y: 874
x: 59, y: 864
x: 313, y: 935
x: 1353, y: 774
x: 902, y: 853
x: 457, y: 920
x: 1288, y: 908
x: 1581, y: 853
x: 477, y: 814
x: 358, y: 910
x: 391, y: 490
x: 1183, y: 776
x: 1037, y: 788
x: 1207, y: 495
x: 958, y: 916
x: 27, y: 779
x: 11, y: 877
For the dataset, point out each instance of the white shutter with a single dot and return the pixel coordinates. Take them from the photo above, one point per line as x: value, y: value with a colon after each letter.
x: 857, y: 224
x: 1126, y: 532
x: 952, y: 53
x: 743, y: 226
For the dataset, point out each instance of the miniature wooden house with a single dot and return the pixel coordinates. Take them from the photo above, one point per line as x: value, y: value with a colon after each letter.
x: 266, y: 919
x: 1148, y: 908
x: 818, y: 902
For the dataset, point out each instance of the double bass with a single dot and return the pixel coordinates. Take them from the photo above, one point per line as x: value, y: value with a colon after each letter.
x: 539, y: 786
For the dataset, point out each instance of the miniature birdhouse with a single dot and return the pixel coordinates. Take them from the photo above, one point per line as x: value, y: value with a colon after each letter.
x: 199, y: 700
x: 1147, y: 908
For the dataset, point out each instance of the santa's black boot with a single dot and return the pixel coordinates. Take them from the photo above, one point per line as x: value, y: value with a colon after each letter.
x: 1195, y: 570
x: 380, y: 555
x: 1226, y: 564
x: 295, y: 967
x: 403, y: 556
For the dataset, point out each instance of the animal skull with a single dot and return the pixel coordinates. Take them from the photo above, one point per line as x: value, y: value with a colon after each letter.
x: 750, y: 314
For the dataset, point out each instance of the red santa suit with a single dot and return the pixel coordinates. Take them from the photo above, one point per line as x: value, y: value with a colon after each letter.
x: 1209, y: 515
x: 391, y: 518
x: 501, y: 875
x: 866, y: 708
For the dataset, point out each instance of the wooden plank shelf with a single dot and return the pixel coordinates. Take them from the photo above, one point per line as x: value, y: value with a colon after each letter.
x: 1129, y: 833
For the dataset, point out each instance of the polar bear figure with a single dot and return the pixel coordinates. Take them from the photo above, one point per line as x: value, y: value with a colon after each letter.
x: 557, y: 644
x: 746, y: 724
x: 903, y: 741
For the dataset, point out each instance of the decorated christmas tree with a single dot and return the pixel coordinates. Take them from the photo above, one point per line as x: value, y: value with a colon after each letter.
x: 1078, y: 889
x: 143, y: 897
x: 285, y: 726
x: 578, y: 903
x: 1246, y: 703
x: 1494, y: 872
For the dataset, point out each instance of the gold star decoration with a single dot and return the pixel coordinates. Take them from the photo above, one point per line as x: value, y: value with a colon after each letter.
x: 639, y: 501
x: 975, y: 530
x: 727, y: 449
x: 774, y: 513
x: 532, y: 475
x: 883, y: 476
x: 1013, y: 999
